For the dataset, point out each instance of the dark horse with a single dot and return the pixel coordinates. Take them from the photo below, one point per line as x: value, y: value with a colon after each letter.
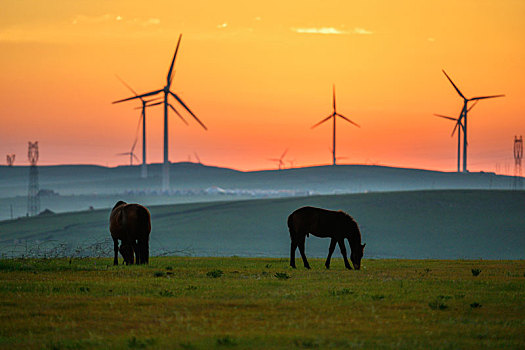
x: 131, y: 224
x: 337, y: 225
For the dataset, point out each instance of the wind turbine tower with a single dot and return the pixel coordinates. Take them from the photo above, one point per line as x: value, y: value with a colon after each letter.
x: 144, y: 168
x: 167, y: 92
x: 518, y: 156
x: 460, y: 129
x: 33, y: 198
x: 334, y: 116
x: 463, y: 116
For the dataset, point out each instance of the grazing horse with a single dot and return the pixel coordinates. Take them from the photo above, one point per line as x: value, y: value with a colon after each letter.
x: 131, y: 224
x: 337, y: 225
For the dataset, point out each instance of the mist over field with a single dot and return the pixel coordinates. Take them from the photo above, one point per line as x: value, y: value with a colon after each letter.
x: 403, y: 213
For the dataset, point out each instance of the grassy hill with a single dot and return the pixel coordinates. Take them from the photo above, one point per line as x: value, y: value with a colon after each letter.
x: 452, y: 224
x: 82, y: 186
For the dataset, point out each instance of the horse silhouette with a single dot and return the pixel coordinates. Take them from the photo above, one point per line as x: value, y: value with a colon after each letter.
x: 337, y: 225
x: 131, y: 224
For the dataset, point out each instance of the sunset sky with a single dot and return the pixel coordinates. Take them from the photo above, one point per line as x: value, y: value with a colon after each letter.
x: 259, y: 74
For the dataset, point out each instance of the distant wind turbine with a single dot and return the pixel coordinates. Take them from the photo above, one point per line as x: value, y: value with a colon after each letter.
x: 144, y: 169
x: 197, y: 157
x: 131, y: 154
x: 461, y: 128
x: 279, y: 160
x: 334, y: 116
x: 463, y: 116
x: 167, y: 92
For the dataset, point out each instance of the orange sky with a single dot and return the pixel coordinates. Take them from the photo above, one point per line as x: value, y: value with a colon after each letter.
x: 259, y: 74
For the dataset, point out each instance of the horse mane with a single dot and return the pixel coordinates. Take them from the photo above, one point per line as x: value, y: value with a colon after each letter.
x: 356, y: 233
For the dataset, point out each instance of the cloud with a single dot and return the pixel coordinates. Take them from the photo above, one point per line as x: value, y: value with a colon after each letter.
x: 361, y: 31
x: 322, y: 30
x: 109, y: 18
x: 331, y: 31
x: 80, y: 19
x: 222, y: 25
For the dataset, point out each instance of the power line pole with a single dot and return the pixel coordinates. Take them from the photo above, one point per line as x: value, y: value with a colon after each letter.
x: 518, y: 155
x: 33, y: 198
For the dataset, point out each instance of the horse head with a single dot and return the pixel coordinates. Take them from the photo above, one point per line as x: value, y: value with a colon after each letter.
x: 354, y: 239
x: 356, y: 255
x: 127, y: 253
x: 119, y: 203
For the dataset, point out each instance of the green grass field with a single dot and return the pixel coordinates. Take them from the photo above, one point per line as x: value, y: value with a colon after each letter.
x: 202, y: 303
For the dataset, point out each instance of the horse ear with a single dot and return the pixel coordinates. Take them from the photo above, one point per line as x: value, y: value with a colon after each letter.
x: 363, y: 246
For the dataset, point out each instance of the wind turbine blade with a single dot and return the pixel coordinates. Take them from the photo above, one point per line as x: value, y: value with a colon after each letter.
x: 283, y: 154
x: 485, y: 97
x: 122, y: 154
x: 134, y: 156
x: 186, y: 107
x: 334, y: 95
x: 322, y: 121
x: 173, y: 62
x: 454, y: 85
x: 197, y: 156
x: 139, y: 96
x: 177, y: 112
x: 155, y: 104
x: 446, y: 117
x: 134, y: 144
x: 475, y: 102
x: 155, y: 99
x: 172, y: 76
x: 455, y: 127
x: 348, y: 120
x: 126, y: 85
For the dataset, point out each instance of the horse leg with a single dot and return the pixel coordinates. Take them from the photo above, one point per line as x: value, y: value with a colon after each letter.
x: 343, y: 252
x: 330, y: 252
x: 115, y: 248
x: 136, y: 252
x: 292, y: 253
x: 145, y: 252
x: 303, y: 255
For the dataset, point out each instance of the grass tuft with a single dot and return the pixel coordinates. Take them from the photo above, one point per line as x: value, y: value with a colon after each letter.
x: 437, y: 305
x: 215, y: 273
x: 475, y: 305
x: 135, y: 343
x: 282, y: 275
x: 159, y: 274
x: 226, y: 341
x: 476, y: 272
x: 166, y: 293
x: 306, y: 343
x: 344, y: 291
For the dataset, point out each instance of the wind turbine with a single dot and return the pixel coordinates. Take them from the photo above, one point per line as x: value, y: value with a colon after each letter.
x: 144, y: 169
x: 334, y: 116
x: 461, y: 127
x: 131, y: 154
x: 167, y: 92
x: 279, y: 160
x: 463, y: 116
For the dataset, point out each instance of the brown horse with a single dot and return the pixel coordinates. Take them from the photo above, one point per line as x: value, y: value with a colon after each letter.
x: 131, y: 224
x: 337, y: 225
